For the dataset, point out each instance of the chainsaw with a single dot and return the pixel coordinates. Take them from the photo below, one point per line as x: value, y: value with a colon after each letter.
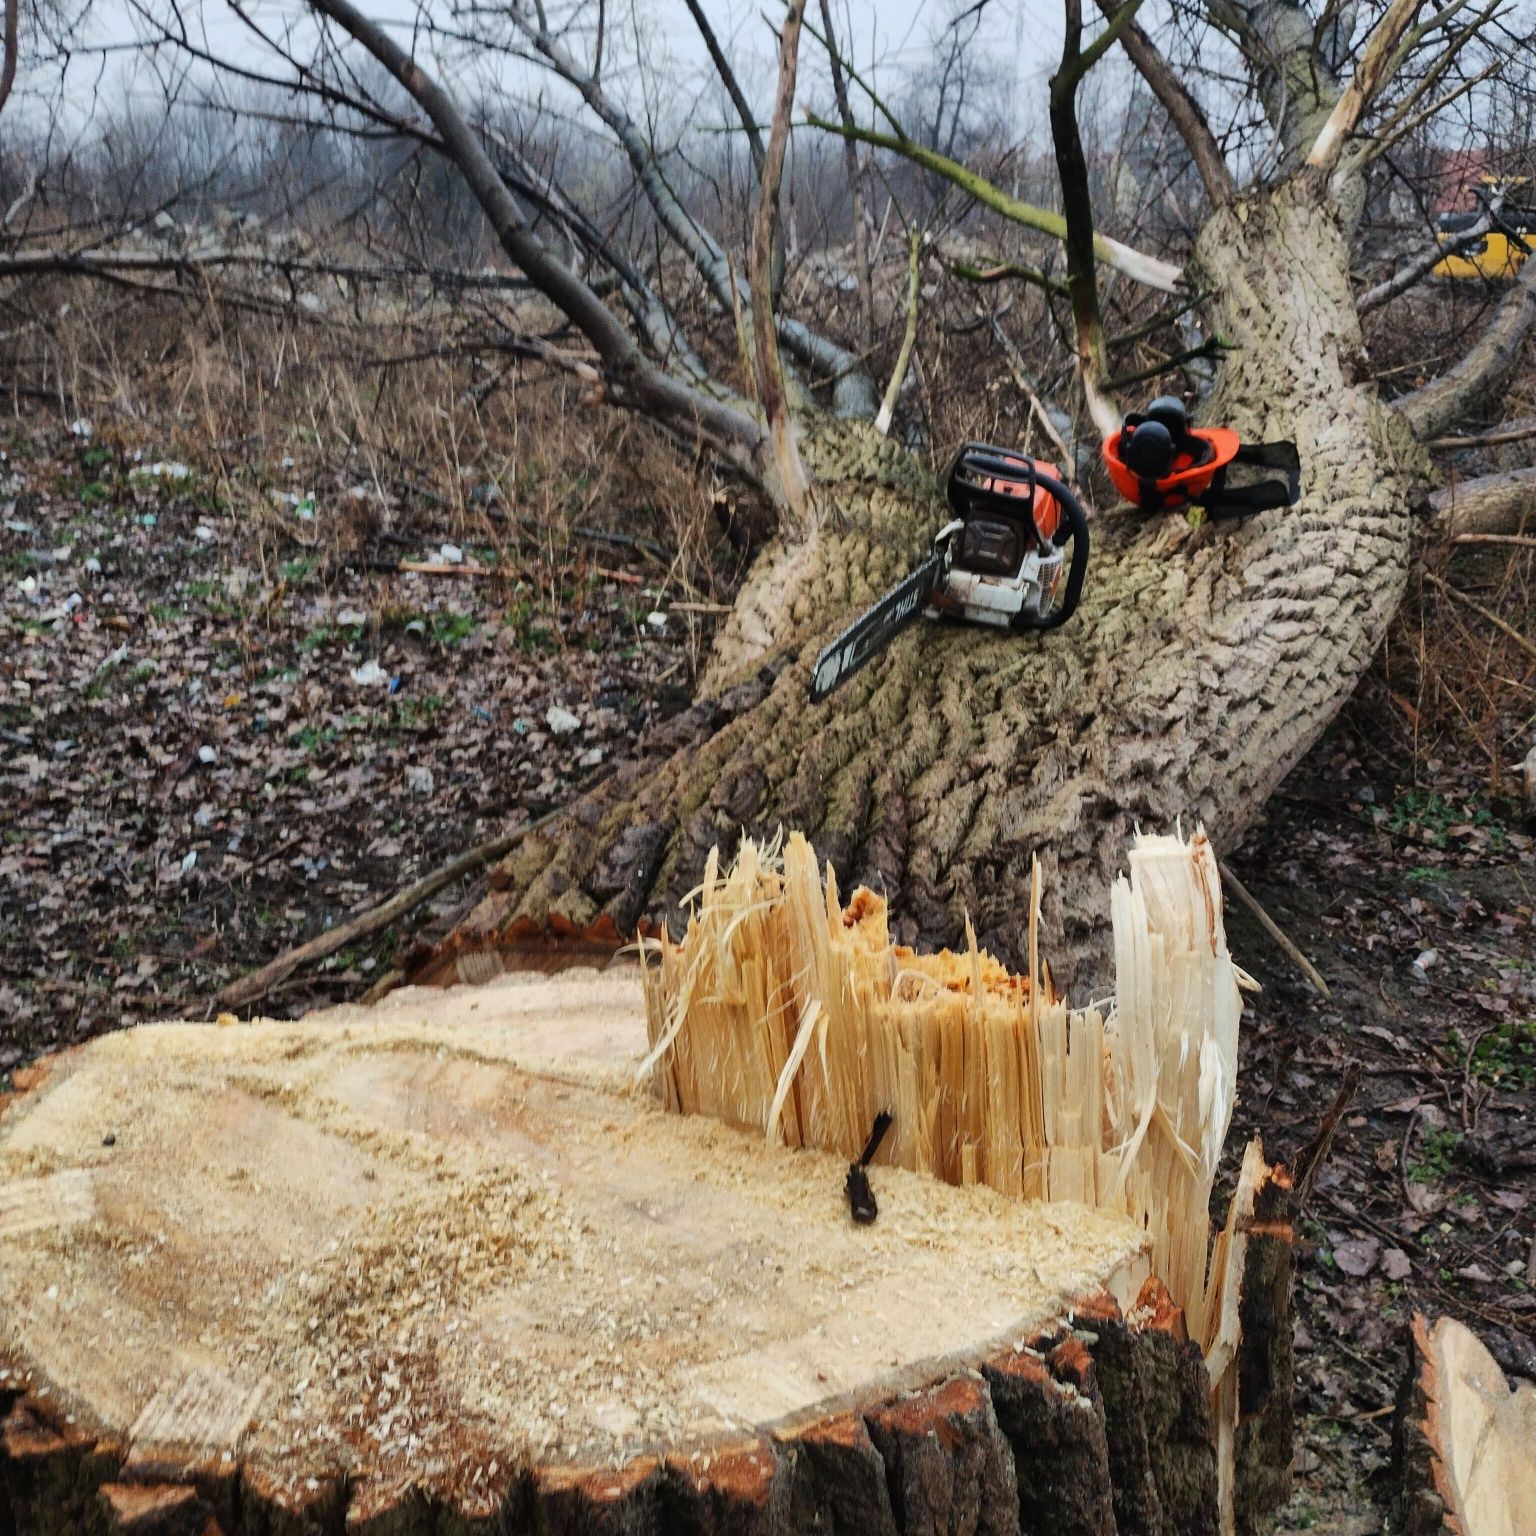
x: 1001, y: 561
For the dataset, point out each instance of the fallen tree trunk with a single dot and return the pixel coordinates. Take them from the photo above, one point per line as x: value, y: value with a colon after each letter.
x: 1199, y: 668
x: 449, y: 1263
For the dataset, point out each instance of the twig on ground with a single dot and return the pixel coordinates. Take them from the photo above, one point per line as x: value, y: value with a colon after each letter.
x: 1519, y: 541
x: 1273, y: 929
x: 1309, y: 1161
x: 443, y: 568
x: 1508, y: 630
x: 1516, y: 433
x: 251, y: 989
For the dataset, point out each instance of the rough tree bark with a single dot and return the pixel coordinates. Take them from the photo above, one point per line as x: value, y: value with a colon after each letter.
x: 1200, y: 668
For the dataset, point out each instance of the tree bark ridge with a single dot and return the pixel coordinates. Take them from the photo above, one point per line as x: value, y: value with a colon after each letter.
x: 1098, y: 1429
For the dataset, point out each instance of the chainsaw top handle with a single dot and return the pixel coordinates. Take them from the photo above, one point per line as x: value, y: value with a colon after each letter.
x: 979, y: 470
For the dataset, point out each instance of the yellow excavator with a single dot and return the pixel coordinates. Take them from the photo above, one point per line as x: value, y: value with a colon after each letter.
x: 1499, y: 253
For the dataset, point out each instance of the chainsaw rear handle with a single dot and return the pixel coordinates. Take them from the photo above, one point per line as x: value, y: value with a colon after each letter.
x: 1074, y: 526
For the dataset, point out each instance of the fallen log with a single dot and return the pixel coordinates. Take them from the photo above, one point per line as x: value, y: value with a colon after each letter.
x: 450, y: 1263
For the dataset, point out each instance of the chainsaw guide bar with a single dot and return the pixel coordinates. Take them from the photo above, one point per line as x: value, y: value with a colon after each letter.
x: 877, y: 626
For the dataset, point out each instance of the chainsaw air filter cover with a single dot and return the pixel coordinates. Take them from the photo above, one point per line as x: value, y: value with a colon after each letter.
x: 991, y: 546
x: 1005, y: 508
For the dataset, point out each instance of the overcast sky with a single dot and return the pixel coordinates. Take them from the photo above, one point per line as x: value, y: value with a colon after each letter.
x: 656, y: 39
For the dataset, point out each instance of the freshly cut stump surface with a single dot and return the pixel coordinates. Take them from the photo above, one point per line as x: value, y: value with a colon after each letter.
x: 448, y: 1242
x: 1468, y: 1440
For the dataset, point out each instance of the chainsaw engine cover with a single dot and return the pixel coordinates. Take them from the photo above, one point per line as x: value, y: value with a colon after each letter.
x: 1004, y: 564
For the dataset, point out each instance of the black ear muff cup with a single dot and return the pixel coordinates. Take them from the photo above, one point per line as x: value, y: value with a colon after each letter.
x: 1148, y: 451
x: 1168, y: 411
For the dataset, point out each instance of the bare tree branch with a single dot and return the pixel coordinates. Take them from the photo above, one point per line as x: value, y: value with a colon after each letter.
x: 854, y: 394
x: 1484, y: 368
x: 1371, y: 74
x: 1396, y: 128
x: 628, y: 379
x: 728, y: 80
x: 794, y: 483
x: 1517, y: 430
x: 863, y: 274
x: 1002, y: 271
x: 1072, y: 170
x: 1183, y: 110
x: 1162, y: 275
x: 95, y: 263
x: 908, y: 337
x: 1425, y: 263
x: 1489, y: 504
x: 1054, y: 422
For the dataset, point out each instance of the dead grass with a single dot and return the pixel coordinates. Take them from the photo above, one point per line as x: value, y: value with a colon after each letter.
x: 375, y: 409
x: 392, y: 406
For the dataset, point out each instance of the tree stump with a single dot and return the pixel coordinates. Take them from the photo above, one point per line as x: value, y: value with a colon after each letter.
x: 442, y: 1266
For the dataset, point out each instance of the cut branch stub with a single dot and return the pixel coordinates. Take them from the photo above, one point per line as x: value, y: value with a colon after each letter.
x: 1466, y: 1440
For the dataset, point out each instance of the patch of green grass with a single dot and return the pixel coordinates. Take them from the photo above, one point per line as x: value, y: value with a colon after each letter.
x: 418, y: 714
x: 143, y: 672
x: 523, y: 619
x: 1431, y: 816
x: 1504, y: 1054
x: 317, y: 637
x: 311, y: 737
x: 94, y: 490
x: 167, y: 613
x: 1437, y: 1152
x: 295, y: 571
x: 94, y: 458
x: 204, y: 589
x: 451, y: 628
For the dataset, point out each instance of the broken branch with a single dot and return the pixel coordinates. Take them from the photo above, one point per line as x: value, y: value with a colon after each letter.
x: 251, y: 989
x: 908, y: 339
